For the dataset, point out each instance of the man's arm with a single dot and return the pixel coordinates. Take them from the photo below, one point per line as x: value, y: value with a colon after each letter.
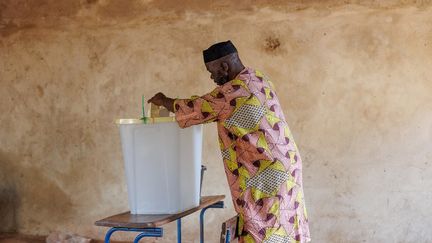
x: 202, y: 109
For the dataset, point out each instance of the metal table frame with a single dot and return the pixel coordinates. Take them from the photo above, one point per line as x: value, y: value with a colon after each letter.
x: 158, y: 231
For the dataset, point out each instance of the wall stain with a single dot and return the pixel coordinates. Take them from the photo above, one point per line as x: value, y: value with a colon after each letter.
x: 9, y: 28
x: 92, y: 1
x: 271, y: 44
x: 30, y: 12
x: 40, y: 91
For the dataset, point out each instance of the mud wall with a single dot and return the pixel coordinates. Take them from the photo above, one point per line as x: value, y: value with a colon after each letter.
x: 354, y: 79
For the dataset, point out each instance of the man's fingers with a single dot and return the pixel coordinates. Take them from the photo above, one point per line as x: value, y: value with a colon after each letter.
x: 152, y: 99
x: 156, y: 99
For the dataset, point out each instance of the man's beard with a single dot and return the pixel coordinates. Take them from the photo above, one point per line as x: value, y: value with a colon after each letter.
x: 222, y: 80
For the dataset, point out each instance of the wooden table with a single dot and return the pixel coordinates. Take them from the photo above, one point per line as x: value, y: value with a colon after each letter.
x: 150, y: 225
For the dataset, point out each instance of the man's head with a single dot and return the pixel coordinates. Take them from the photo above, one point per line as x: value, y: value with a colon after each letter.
x: 223, y: 62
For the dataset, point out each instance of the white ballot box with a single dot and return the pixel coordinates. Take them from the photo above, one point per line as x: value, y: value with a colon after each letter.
x: 162, y: 163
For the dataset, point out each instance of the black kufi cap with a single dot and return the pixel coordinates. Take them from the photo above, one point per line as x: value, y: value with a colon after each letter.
x: 218, y: 50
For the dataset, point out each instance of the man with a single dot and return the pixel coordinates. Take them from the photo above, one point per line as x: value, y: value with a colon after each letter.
x: 261, y: 160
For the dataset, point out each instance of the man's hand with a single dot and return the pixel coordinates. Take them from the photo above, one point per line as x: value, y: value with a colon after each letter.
x: 160, y: 99
x: 157, y: 99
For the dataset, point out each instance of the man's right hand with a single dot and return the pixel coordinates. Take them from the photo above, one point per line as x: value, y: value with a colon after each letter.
x: 160, y: 99
x: 157, y: 99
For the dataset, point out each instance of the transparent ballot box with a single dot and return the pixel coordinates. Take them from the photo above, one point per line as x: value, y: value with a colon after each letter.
x: 162, y: 163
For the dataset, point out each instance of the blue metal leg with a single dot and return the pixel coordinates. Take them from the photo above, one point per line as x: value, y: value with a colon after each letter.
x: 202, y: 225
x: 227, y: 237
x: 150, y: 232
x: 219, y: 204
x: 109, y: 233
x: 179, y: 230
x: 146, y: 232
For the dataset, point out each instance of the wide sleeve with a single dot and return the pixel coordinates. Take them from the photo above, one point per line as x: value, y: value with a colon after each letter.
x: 199, y: 109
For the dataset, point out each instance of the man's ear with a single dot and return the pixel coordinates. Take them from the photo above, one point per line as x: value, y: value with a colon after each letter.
x: 225, y: 66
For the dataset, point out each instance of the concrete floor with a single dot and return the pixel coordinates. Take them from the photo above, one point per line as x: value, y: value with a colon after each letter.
x: 19, y: 238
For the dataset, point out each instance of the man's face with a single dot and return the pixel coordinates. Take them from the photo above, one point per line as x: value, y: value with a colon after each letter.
x: 217, y: 73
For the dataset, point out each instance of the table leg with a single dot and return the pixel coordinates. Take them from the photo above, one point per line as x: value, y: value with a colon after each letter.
x: 179, y: 230
x: 227, y: 237
x: 109, y: 233
x: 219, y: 204
x: 149, y: 232
x: 145, y: 232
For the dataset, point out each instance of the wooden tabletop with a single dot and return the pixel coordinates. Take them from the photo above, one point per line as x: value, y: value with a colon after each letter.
x: 129, y: 220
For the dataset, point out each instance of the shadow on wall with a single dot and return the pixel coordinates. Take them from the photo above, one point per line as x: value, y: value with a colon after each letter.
x: 8, y: 197
x: 8, y: 209
x: 14, y: 191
